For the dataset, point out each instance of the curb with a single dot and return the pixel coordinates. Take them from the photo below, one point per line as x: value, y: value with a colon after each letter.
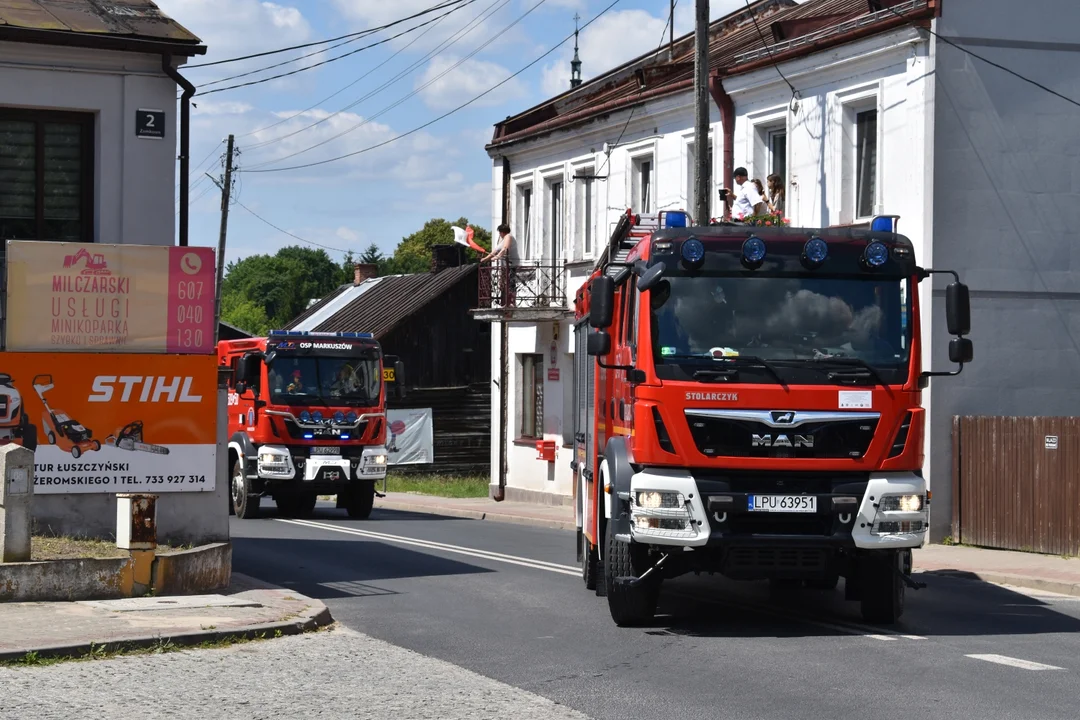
x: 1025, y: 581
x: 312, y: 619
x: 476, y: 515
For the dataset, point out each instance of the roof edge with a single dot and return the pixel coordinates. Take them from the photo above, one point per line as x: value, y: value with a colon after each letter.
x: 64, y: 38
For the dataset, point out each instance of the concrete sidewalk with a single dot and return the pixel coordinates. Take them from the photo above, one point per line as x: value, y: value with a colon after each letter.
x: 248, y: 608
x: 1037, y: 572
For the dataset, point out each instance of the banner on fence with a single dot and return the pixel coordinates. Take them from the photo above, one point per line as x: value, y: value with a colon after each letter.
x: 108, y: 423
x: 410, y: 439
x: 76, y: 297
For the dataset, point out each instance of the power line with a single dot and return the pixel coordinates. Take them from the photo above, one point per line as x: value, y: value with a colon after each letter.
x: 281, y: 230
x: 975, y: 55
x: 360, y: 33
x: 418, y: 90
x: 462, y: 4
x: 753, y: 16
x: 439, y: 48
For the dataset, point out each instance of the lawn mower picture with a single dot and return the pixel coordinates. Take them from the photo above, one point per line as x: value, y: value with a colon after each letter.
x: 130, y: 437
x: 61, y: 430
x: 14, y: 422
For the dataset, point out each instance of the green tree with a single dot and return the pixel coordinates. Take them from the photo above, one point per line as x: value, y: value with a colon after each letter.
x: 281, y: 285
x: 372, y: 255
x: 413, y: 254
x: 244, y: 314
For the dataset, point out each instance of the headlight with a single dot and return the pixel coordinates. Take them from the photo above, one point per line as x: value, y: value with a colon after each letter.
x: 378, y: 459
x: 652, y: 499
x: 901, y: 503
x: 271, y: 458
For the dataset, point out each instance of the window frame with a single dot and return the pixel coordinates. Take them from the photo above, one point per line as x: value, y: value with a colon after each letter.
x: 875, y: 174
x: 87, y: 121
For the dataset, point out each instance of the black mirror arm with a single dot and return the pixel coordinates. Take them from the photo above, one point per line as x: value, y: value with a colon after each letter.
x: 924, y: 273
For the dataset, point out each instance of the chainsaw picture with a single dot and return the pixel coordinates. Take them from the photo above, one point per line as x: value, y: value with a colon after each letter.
x: 60, y: 430
x: 14, y: 422
x: 130, y: 437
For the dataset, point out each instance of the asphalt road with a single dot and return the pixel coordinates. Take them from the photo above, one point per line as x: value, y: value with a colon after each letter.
x: 506, y: 601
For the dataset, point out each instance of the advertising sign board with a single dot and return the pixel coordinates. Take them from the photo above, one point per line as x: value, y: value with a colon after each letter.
x: 75, y: 297
x: 112, y: 423
x: 410, y: 437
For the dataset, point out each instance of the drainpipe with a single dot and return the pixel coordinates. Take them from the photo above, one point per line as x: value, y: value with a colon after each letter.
x: 185, y: 140
x: 504, y: 347
x: 727, y: 120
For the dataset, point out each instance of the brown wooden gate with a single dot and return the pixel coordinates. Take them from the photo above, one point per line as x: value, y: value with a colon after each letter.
x: 1016, y: 483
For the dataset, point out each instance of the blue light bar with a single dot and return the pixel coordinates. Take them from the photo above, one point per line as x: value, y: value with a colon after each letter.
x: 343, y: 436
x: 876, y: 254
x: 675, y: 219
x: 753, y: 251
x: 693, y: 251
x: 309, y: 436
x: 311, y: 333
x: 815, y: 251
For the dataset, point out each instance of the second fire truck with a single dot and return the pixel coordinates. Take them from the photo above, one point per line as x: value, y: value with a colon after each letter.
x: 749, y: 403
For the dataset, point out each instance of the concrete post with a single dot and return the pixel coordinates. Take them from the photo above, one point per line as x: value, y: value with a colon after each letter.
x: 136, y: 532
x: 16, y: 494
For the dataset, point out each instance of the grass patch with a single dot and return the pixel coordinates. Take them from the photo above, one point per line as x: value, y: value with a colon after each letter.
x: 449, y: 486
x: 58, y: 547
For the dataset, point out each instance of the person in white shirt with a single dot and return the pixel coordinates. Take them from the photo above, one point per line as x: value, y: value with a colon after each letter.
x: 746, y: 200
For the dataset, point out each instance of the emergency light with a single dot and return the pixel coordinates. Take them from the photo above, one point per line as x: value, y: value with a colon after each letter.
x: 815, y: 251
x: 351, y: 417
x: 339, y: 417
x: 311, y: 333
x: 753, y: 252
x: 693, y: 252
x: 305, y: 417
x: 876, y: 254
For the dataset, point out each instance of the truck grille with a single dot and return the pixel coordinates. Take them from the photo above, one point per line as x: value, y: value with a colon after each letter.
x: 734, y: 434
x: 747, y: 560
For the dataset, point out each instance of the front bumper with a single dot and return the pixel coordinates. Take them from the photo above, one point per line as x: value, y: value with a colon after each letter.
x: 713, y: 512
x: 277, y: 465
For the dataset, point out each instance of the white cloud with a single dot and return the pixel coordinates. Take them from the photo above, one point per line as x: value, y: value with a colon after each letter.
x: 226, y: 107
x: 450, y: 88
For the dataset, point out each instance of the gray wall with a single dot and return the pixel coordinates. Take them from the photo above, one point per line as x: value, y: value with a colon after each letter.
x: 192, y: 517
x: 1007, y: 216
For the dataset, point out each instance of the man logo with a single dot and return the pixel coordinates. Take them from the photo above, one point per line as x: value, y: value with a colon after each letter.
x: 783, y: 418
x: 782, y: 441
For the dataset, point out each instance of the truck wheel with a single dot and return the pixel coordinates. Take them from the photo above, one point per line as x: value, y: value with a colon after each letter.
x: 245, y: 502
x: 359, y: 499
x: 882, y: 588
x: 629, y: 606
x: 588, y: 563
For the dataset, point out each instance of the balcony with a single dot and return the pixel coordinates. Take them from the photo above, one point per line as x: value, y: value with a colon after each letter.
x: 532, y: 291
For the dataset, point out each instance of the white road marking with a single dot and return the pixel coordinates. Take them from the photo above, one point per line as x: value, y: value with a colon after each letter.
x: 880, y: 637
x: 1014, y: 662
x: 430, y: 545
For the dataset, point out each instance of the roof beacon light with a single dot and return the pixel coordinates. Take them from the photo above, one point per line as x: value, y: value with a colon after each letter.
x: 339, y: 417
x: 753, y: 252
x: 693, y: 252
x: 814, y: 252
x: 305, y: 416
x: 876, y: 254
x: 316, y: 416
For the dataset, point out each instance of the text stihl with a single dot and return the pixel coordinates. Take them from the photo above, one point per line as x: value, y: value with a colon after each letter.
x: 148, y: 388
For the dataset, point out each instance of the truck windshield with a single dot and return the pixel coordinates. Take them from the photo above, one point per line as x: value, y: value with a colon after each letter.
x: 308, y: 379
x: 810, y: 326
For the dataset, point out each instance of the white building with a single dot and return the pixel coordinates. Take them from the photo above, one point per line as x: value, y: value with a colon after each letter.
x: 886, y: 118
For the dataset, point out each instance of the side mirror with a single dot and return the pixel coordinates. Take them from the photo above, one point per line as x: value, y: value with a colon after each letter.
x: 247, y: 371
x: 598, y: 343
x: 601, y: 302
x: 651, y: 277
x: 241, y: 387
x: 958, y: 309
x: 961, y: 351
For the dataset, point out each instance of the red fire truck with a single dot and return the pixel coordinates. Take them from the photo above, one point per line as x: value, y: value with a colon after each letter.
x: 307, y: 417
x: 749, y: 404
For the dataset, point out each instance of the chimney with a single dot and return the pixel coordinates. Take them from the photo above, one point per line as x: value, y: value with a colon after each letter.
x: 364, y: 271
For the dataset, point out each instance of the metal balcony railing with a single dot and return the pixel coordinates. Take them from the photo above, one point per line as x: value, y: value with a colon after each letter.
x: 529, y: 285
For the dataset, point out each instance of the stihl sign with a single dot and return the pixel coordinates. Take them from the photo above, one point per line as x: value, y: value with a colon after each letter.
x: 144, y: 389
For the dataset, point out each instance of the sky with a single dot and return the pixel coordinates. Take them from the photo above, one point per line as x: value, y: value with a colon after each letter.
x: 380, y: 194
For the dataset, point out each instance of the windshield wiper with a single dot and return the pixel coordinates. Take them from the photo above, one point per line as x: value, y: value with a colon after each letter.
x: 864, y: 369
x: 737, y: 360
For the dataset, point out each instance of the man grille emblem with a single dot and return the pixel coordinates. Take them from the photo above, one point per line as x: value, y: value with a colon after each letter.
x: 783, y: 418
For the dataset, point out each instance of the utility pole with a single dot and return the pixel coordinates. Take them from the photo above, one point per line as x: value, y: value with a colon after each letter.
x: 671, y: 32
x: 226, y: 192
x: 701, y: 106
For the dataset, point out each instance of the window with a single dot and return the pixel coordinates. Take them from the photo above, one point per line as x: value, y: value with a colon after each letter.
x: 584, y: 213
x: 532, y: 396
x: 524, y: 216
x: 46, y: 176
x: 641, y: 184
x: 778, y: 153
x: 555, y: 234
x: 865, y: 163
x: 629, y: 323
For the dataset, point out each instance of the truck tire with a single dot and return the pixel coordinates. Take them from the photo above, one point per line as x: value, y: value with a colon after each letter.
x: 359, y: 499
x: 882, y: 588
x: 244, y: 501
x: 629, y: 606
x: 588, y: 563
